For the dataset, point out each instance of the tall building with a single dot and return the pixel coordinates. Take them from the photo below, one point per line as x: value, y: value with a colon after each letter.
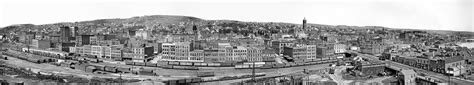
x: 65, y: 33
x: 83, y: 40
x: 74, y: 31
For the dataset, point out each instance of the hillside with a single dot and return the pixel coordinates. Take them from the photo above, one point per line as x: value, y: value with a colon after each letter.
x: 174, y: 19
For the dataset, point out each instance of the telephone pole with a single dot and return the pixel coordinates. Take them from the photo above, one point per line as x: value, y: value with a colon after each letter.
x: 253, y: 73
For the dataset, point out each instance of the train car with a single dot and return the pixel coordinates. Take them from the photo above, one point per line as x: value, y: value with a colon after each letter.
x: 99, y: 67
x: 242, y: 66
x: 200, y: 64
x: 111, y: 69
x: 300, y: 64
x: 146, y: 72
x: 278, y: 66
x: 93, y: 60
x: 266, y: 66
x: 167, y: 66
x: 205, y: 74
x: 185, y: 68
x: 90, y: 69
x: 140, y: 64
x: 213, y: 64
x: 149, y: 64
x: 186, y: 63
x: 196, y: 80
x: 225, y: 64
x: 173, y: 63
x: 129, y: 63
x: 162, y: 63
x: 124, y: 69
x: 66, y: 64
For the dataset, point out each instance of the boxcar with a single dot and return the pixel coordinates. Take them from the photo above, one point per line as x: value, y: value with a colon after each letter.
x: 205, y: 74
x: 180, y: 67
x: 124, y: 69
x: 227, y: 64
x: 129, y: 63
x: 200, y: 64
x: 213, y: 64
x: 111, y: 69
x: 90, y: 69
x: 162, y: 63
x: 99, y: 67
x: 186, y: 63
x: 139, y: 63
x: 167, y: 66
x: 173, y: 63
x: 196, y: 80
x: 150, y: 64
x: 149, y: 73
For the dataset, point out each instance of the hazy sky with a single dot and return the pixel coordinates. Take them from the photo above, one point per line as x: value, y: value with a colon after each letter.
x: 418, y: 14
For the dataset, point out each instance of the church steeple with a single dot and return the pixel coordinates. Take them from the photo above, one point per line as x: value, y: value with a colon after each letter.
x: 304, y: 23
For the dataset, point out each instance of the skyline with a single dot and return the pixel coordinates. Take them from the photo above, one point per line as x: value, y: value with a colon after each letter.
x: 453, y: 15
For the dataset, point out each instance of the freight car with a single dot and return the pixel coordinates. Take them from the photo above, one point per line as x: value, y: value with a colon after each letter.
x: 167, y: 66
x: 173, y: 63
x: 124, y: 69
x: 162, y: 63
x: 139, y: 64
x: 205, y: 74
x: 148, y: 72
x: 149, y: 64
x: 200, y: 64
x: 183, y: 81
x: 185, y: 68
x: 186, y: 63
x: 129, y: 63
x: 112, y: 69
x: 99, y: 67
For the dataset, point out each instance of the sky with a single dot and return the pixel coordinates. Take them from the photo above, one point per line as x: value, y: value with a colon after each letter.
x: 415, y: 14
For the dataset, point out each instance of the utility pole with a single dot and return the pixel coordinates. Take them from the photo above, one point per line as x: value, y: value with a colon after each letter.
x: 253, y: 73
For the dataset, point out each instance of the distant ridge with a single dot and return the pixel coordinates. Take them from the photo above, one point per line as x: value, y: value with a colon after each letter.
x: 175, y: 19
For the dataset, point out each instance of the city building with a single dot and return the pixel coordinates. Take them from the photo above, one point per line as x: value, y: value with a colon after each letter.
x: 41, y: 44
x: 339, y: 48
x: 65, y: 34
x: 83, y: 40
x: 301, y: 51
x: 279, y: 44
